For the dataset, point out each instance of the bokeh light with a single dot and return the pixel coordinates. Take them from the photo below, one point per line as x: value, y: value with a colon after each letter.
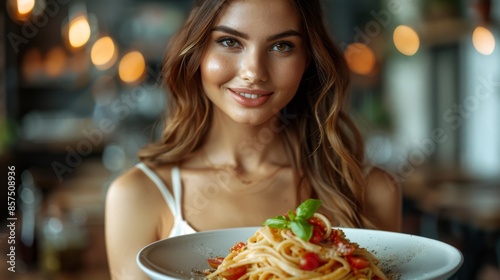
x: 79, y: 31
x: 103, y: 53
x: 132, y: 67
x: 360, y: 58
x: 25, y: 7
x: 483, y: 40
x: 406, y: 40
x: 32, y: 64
x: 55, y: 62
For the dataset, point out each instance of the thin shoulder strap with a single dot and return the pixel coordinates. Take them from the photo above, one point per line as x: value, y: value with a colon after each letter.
x: 177, y: 185
x: 161, y: 186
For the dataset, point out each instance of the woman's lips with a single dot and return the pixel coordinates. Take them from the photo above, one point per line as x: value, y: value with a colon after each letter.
x: 250, y: 97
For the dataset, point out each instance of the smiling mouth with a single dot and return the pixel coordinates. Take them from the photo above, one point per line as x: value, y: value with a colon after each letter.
x: 250, y: 98
x: 248, y: 95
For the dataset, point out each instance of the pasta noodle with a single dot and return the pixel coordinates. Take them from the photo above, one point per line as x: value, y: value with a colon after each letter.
x: 274, y: 253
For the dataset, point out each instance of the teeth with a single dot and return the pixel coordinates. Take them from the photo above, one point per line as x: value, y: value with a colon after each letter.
x: 248, y: 95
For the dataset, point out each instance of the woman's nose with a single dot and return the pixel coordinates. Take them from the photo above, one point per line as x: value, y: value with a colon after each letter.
x: 253, y: 68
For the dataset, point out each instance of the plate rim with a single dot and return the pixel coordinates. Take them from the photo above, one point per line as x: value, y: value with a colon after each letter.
x: 456, y: 263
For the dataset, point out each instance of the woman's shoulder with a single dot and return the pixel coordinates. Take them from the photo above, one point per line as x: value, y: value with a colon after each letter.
x: 132, y: 180
x: 381, y: 185
x: 379, y: 177
x: 135, y: 186
x: 383, y: 197
x: 135, y: 215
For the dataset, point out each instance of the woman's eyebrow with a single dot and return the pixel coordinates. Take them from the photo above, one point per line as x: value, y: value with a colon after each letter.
x: 231, y: 31
x: 284, y: 35
x: 234, y: 32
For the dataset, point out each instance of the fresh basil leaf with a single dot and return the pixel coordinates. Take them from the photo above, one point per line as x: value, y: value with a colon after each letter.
x: 307, y: 208
x: 280, y: 222
x: 301, y: 228
x: 291, y: 215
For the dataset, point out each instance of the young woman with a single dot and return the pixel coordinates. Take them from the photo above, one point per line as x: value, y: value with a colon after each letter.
x: 256, y: 124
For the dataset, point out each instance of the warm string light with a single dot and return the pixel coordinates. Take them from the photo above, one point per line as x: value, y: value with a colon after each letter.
x: 103, y: 53
x: 360, y: 58
x: 56, y: 62
x: 406, y: 40
x: 32, y: 64
x: 483, y: 40
x: 20, y: 11
x: 132, y: 67
x: 79, y: 31
x: 25, y: 7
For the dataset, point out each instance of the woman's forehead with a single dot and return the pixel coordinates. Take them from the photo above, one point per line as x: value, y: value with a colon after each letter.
x: 268, y: 15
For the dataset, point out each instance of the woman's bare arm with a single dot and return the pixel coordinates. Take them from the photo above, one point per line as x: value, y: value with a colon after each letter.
x: 132, y: 218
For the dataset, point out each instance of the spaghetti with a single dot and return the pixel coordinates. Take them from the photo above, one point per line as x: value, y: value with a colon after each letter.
x: 279, y: 253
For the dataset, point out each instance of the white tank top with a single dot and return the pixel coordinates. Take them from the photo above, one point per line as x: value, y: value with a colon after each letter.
x: 174, y: 202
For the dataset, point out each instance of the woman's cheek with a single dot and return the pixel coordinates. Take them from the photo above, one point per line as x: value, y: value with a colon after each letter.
x: 216, y: 69
x: 288, y: 75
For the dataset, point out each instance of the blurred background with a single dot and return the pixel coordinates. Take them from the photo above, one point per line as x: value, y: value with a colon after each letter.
x: 79, y: 95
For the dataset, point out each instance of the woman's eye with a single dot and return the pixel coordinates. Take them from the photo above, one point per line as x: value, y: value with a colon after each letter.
x: 228, y: 42
x: 282, y: 47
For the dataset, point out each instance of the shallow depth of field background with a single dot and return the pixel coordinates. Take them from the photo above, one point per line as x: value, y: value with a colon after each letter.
x: 79, y: 95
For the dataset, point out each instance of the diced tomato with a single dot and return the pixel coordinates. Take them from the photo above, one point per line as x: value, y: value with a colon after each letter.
x: 309, y: 261
x: 319, y: 230
x: 333, y: 236
x: 234, y: 273
x: 237, y: 247
x: 317, y: 223
x: 358, y: 262
x: 317, y: 236
x: 215, y: 262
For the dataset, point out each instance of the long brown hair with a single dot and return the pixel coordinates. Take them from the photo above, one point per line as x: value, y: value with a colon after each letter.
x: 326, y: 147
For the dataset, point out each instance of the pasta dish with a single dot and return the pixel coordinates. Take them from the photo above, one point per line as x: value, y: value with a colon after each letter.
x: 299, y: 245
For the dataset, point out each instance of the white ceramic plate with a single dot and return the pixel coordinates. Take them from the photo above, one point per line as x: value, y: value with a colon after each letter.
x: 402, y: 256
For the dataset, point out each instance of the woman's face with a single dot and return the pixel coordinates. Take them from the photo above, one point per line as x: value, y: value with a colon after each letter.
x: 254, y: 60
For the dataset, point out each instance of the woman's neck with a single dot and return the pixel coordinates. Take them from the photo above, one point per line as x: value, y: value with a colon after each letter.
x: 245, y: 146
